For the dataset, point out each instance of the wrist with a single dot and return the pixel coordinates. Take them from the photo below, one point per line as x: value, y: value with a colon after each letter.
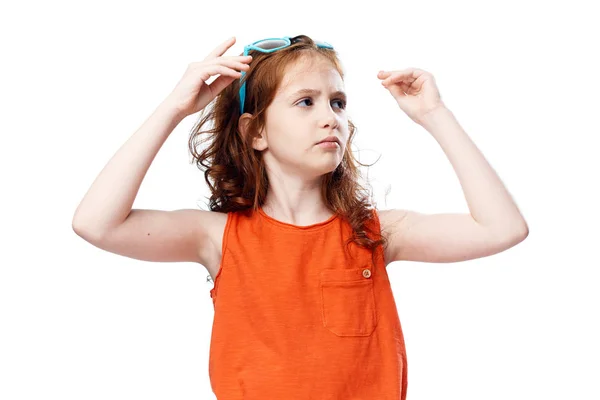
x: 171, y: 110
x: 433, y: 115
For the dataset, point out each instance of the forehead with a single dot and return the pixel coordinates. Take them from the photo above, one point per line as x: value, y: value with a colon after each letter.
x: 308, y: 72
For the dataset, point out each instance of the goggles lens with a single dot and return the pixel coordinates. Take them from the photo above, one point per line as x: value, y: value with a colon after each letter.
x: 269, y: 44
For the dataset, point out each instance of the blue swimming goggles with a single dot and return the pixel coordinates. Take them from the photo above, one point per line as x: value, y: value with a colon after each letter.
x: 268, y: 46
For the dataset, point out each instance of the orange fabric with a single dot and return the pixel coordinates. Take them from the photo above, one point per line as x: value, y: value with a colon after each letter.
x: 299, y: 317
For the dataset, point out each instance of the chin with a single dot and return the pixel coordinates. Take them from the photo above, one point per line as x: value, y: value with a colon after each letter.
x: 326, y: 169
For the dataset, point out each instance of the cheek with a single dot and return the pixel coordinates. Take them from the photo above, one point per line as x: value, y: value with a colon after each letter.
x: 289, y: 143
x: 290, y: 135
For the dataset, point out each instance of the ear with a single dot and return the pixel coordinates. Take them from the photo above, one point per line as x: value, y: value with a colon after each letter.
x: 260, y: 141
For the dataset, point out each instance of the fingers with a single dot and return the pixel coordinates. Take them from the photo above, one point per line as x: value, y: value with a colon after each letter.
x: 408, y: 75
x: 240, y: 63
x: 219, y: 84
x: 214, y: 69
x: 230, y: 67
x: 221, y: 49
x: 233, y: 64
x: 237, y: 60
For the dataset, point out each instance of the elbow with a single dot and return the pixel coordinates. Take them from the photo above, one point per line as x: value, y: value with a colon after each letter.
x: 80, y: 230
x: 515, y: 237
x: 517, y: 231
x: 78, y: 226
x: 523, y: 231
x: 508, y: 237
x: 84, y: 231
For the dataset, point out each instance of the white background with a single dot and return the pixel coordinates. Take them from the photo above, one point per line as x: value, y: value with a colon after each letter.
x: 78, y: 78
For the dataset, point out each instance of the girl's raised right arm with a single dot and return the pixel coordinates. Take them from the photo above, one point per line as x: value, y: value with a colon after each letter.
x: 104, y: 216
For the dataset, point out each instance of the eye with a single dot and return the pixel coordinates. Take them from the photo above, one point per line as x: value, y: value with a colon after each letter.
x: 342, y: 103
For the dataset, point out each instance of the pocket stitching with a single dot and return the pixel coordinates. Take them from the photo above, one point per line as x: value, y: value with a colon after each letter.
x: 369, y: 286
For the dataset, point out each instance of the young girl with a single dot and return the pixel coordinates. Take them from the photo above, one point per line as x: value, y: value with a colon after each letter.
x: 298, y: 254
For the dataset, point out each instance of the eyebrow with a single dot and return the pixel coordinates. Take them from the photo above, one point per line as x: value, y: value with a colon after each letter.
x: 314, y: 92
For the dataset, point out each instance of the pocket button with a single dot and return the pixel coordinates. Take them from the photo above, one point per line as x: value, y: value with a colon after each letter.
x: 366, y: 273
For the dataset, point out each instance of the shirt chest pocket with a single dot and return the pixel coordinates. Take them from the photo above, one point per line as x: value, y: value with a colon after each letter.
x: 348, y: 301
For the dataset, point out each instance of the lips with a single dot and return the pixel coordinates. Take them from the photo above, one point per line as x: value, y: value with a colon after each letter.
x: 331, y: 139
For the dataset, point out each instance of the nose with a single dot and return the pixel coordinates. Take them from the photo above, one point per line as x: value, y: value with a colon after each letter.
x: 328, y: 117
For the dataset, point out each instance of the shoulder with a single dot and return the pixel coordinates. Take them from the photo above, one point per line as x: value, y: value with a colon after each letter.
x: 391, y: 223
x: 215, y: 222
x: 391, y: 220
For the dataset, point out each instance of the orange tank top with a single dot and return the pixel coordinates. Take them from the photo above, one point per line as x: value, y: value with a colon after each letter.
x: 299, y: 316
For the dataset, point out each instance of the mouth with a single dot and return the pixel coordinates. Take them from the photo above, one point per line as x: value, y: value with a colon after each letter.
x: 331, y: 140
x: 329, y: 144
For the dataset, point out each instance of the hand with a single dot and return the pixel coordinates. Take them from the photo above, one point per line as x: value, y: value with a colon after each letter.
x: 192, y: 93
x: 414, y: 90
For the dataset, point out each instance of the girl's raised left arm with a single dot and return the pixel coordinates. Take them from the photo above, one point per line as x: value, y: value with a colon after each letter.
x: 494, y: 222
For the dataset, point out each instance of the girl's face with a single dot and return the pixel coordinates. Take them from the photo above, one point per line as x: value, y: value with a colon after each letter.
x: 308, y: 107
